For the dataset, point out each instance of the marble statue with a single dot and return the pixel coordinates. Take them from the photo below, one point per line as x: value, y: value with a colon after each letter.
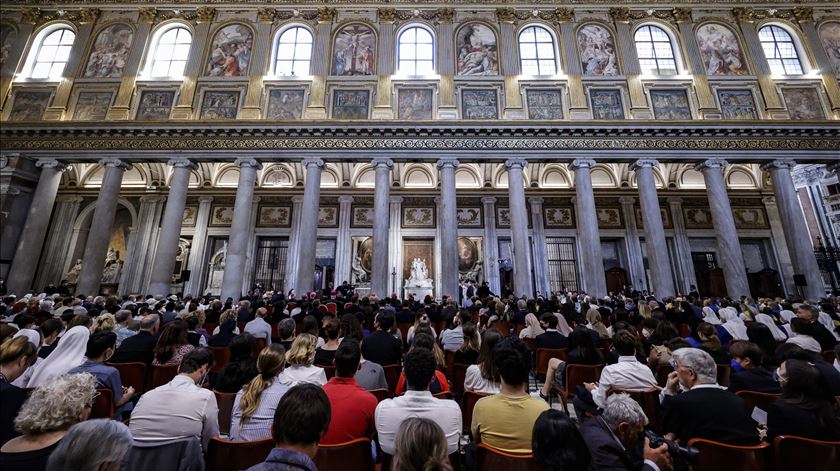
x: 419, y: 276
x: 72, y: 276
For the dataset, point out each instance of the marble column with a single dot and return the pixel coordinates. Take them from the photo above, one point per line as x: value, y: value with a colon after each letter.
x: 199, y: 246
x: 795, y: 229
x: 381, y: 227
x: 344, y: 245
x: 540, y: 249
x: 634, y: 247
x: 730, y: 257
x: 519, y: 228
x: 308, y: 235
x: 25, y: 261
x: 170, y: 230
x: 784, y: 262
x: 396, y: 245
x: 57, y: 249
x: 683, y: 248
x: 491, y: 245
x: 142, y: 244
x: 239, y: 229
x: 96, y: 247
x: 657, y: 250
x: 291, y: 260
x: 449, y: 229
x: 589, y: 237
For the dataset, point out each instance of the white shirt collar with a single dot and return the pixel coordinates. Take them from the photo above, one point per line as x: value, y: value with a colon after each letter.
x: 627, y: 358
x: 707, y: 386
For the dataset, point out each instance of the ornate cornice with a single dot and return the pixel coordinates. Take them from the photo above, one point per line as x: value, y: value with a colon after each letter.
x: 750, y: 15
x: 674, y: 138
x: 237, y: 4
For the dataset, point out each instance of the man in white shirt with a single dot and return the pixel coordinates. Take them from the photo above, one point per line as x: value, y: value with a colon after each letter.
x: 418, y: 402
x: 259, y: 327
x: 453, y: 339
x: 180, y: 408
x: 629, y: 373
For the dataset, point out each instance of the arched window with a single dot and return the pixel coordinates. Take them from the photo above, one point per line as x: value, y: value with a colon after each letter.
x: 293, y: 52
x: 655, y: 51
x: 49, y: 56
x: 780, y: 51
x: 416, y: 52
x: 169, y: 53
x: 536, y: 51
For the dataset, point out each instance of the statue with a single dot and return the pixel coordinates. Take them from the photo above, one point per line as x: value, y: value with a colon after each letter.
x: 72, y: 276
x: 419, y: 276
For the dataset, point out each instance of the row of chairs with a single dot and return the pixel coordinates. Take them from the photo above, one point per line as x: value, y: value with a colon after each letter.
x: 785, y: 453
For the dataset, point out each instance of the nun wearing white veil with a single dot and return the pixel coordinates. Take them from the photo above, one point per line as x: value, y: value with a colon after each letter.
x: 69, y: 354
x: 34, y: 338
x: 710, y: 317
x: 828, y: 323
x: 787, y: 316
x: 733, y: 324
x: 778, y: 335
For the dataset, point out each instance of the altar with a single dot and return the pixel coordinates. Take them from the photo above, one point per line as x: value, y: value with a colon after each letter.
x: 418, y: 284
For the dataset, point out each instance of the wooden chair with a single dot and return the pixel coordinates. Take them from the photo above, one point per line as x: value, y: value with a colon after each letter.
x: 648, y: 399
x: 723, y: 372
x: 454, y: 461
x: 225, y: 455
x: 467, y: 405
x: 291, y: 306
x: 298, y: 328
x: 543, y: 356
x: 517, y: 328
x: 103, y: 405
x: 443, y: 395
x: 221, y: 357
x: 576, y: 375
x: 380, y: 394
x: 804, y: 453
x: 349, y: 456
x: 828, y: 356
x: 132, y: 374
x: 259, y: 346
x: 488, y: 458
x: 162, y: 374
x: 530, y: 344
x: 459, y: 375
x: 448, y: 360
x: 404, y: 326
x: 716, y: 456
x: 329, y: 370
x: 503, y: 328
x: 685, y: 331
x: 392, y: 376
x: 241, y: 326
x: 662, y: 372
x: 225, y: 402
x: 758, y: 399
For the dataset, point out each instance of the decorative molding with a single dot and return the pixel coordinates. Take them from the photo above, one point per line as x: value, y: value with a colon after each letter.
x: 36, y: 16
x: 352, y: 3
x: 644, y: 163
x: 711, y: 164
x: 248, y: 163
x: 116, y: 163
x: 52, y: 163
x: 521, y: 163
x: 443, y: 163
x: 750, y: 15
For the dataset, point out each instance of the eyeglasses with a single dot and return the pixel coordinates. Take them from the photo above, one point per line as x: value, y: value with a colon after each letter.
x: 673, y: 363
x: 93, y: 400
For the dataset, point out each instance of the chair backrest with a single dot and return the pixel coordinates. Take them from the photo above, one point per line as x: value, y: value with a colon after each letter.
x: 723, y: 375
x: 576, y: 375
x: 221, y: 357
x: 662, y: 372
x: 443, y: 395
x: 225, y: 455
x: 329, y: 370
x: 459, y: 375
x: 380, y: 394
x: 225, y: 402
x: 648, y: 399
x: 803, y: 453
x: 454, y: 460
x: 132, y: 374
x: 291, y: 306
x: 332, y: 307
x: 546, y: 354
x: 490, y: 459
x: 517, y: 328
x: 259, y: 344
x: 467, y: 405
x: 716, y: 456
x: 530, y: 344
x: 758, y: 399
x: 404, y: 326
x: 392, y: 376
x: 350, y: 456
x: 503, y: 328
x: 176, y: 455
x: 103, y: 405
x: 828, y: 356
x: 162, y: 374
x: 448, y: 360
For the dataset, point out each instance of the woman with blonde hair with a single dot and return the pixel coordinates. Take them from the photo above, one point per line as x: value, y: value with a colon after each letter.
x: 301, y: 359
x: 227, y: 315
x: 421, y: 446
x: 645, y: 311
x: 254, y: 406
x: 532, y: 327
x: 593, y: 322
x: 105, y: 322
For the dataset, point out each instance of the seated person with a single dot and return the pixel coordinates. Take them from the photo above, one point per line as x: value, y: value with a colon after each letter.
x: 180, y: 408
x: 505, y: 420
x: 255, y: 404
x: 748, y: 371
x: 551, y: 338
x: 705, y: 409
x: 242, y: 367
x: 140, y: 346
x: 468, y: 353
x: 418, y: 402
x: 286, y: 331
x: 299, y: 363
x: 829, y: 372
x: 582, y: 351
x: 17, y: 355
x: 325, y: 353
x: 352, y: 407
x: 302, y: 418
x: 807, y: 408
x: 439, y: 383
x: 483, y: 377
x: 100, y: 347
x: 628, y: 373
x: 551, y: 428
x: 258, y: 327
x: 381, y: 347
x: 615, y: 436
x: 452, y: 339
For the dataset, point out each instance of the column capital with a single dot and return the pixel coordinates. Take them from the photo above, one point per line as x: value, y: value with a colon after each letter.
x: 182, y: 163
x: 515, y: 163
x: 256, y: 199
x: 711, y: 164
x: 675, y: 200
x: 306, y: 163
x: 834, y: 168
x: 452, y: 163
x: 488, y: 200
x: 627, y: 200
x: 769, y: 200
x: 253, y: 163
x: 396, y: 200
x: 116, y: 163
x: 536, y: 200
x: 345, y: 199
x: 643, y: 163
x: 51, y: 163
x: 778, y: 164
x: 378, y: 163
x: 578, y: 164
x: 205, y: 199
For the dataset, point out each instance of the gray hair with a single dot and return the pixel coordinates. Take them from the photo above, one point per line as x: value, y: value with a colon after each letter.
x: 90, y: 444
x: 122, y: 315
x: 57, y: 404
x: 622, y: 408
x: 149, y: 322
x: 700, y: 361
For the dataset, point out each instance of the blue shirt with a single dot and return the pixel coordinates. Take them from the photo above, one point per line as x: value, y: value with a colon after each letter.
x: 106, y: 377
x: 281, y: 459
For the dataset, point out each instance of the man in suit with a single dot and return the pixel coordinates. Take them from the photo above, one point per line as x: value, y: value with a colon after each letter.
x: 615, y: 438
x: 139, y: 347
x: 820, y: 333
x: 706, y: 409
x: 381, y: 346
x: 551, y: 338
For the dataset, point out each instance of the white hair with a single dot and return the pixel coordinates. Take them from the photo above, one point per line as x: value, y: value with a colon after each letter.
x: 622, y: 408
x: 700, y: 361
x: 56, y: 404
x: 89, y: 445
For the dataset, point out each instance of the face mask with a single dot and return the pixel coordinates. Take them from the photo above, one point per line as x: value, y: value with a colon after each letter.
x: 646, y: 333
x: 736, y: 366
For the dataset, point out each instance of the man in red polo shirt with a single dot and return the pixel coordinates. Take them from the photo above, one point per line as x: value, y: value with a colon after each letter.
x: 352, y: 407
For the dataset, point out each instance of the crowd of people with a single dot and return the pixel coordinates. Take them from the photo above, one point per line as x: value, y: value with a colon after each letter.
x: 330, y: 368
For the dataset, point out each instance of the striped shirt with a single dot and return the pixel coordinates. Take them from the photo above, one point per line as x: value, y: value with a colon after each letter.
x: 260, y: 423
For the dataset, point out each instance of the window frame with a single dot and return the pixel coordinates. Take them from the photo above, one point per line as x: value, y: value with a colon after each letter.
x: 35, y: 49
x: 276, y: 46
x: 672, y: 42
x: 415, y: 61
x: 795, y: 44
x: 554, y: 45
x: 153, y: 47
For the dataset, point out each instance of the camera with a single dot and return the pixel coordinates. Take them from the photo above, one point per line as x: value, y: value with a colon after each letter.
x: 683, y: 456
